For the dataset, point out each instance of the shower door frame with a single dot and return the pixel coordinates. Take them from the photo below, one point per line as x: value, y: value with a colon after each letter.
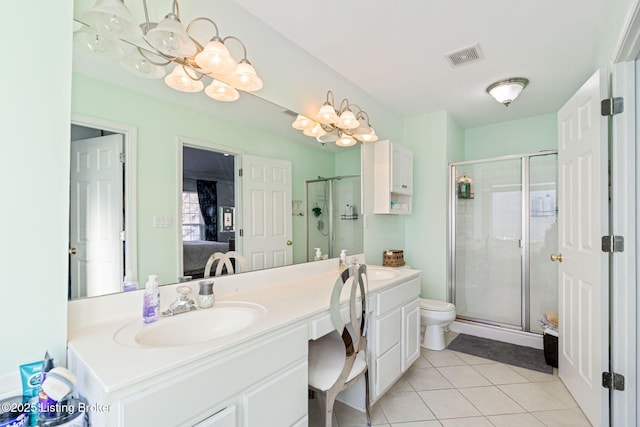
x: 524, y: 241
x: 329, y: 206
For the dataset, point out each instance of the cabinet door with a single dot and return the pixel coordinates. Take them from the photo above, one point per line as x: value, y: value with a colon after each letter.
x: 410, y: 334
x: 401, y: 170
x: 387, y: 370
x: 279, y: 401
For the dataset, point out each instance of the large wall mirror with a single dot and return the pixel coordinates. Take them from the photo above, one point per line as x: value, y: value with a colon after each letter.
x: 172, y: 143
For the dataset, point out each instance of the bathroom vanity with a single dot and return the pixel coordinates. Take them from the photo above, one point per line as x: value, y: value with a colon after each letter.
x: 177, y: 372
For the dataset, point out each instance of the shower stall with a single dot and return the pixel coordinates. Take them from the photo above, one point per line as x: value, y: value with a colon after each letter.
x: 333, y: 214
x: 502, y: 231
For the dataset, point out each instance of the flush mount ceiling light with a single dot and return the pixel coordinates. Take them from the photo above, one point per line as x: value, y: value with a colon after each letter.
x: 340, y: 125
x: 168, y: 43
x: 506, y: 91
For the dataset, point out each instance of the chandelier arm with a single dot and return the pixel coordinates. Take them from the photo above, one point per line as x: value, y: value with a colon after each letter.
x: 346, y: 107
x: 176, y: 9
x: 333, y: 101
x: 147, y: 23
x: 244, y: 48
x: 161, y: 64
x: 184, y: 67
x: 217, y: 35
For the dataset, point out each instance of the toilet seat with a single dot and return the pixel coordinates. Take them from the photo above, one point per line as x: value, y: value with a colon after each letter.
x: 435, y: 305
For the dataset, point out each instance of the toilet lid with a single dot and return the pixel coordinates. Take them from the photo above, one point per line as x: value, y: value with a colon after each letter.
x: 435, y: 305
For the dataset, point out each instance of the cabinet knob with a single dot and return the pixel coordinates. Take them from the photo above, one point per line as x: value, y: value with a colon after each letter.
x: 289, y: 243
x: 73, y: 251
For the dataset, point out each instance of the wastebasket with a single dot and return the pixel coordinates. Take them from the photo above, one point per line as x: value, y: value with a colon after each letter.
x: 550, y: 343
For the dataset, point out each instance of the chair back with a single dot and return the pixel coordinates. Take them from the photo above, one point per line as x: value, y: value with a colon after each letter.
x: 355, y: 330
x: 225, y: 260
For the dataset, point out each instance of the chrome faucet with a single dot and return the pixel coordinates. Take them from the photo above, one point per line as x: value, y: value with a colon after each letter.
x: 183, y: 304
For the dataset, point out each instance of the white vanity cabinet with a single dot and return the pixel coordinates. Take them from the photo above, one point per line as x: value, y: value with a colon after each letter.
x: 394, y: 335
x: 260, y: 383
x: 393, y: 178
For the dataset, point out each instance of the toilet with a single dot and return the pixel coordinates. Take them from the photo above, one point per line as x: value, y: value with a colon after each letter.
x: 435, y: 315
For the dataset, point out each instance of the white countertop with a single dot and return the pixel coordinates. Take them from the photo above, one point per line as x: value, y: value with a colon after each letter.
x: 295, y: 297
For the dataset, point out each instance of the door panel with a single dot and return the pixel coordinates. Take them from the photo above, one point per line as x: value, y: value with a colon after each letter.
x: 96, y: 216
x: 583, y: 272
x: 266, y: 194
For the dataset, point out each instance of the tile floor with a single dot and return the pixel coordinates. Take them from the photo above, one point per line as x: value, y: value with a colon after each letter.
x: 448, y: 388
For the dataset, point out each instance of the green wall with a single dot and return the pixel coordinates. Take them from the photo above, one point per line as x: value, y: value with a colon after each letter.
x: 513, y: 137
x: 159, y: 124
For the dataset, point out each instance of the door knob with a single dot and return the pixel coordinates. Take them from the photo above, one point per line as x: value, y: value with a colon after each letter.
x: 289, y: 243
x: 73, y: 251
x: 556, y: 257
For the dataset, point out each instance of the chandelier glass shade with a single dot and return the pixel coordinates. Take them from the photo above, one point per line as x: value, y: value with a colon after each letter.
x: 109, y: 23
x: 341, y: 125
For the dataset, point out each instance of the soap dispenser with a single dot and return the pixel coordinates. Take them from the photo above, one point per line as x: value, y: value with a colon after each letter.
x: 318, y: 256
x: 129, y: 283
x: 151, y: 301
x: 342, y: 262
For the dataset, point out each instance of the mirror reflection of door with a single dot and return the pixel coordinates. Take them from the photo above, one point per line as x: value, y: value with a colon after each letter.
x: 266, y: 200
x: 208, y: 194
x: 96, y: 222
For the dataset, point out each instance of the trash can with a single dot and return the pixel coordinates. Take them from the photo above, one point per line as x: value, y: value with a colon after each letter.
x: 550, y: 343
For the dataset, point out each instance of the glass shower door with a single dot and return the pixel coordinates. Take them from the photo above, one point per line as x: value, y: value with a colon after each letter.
x: 488, y: 238
x: 543, y: 238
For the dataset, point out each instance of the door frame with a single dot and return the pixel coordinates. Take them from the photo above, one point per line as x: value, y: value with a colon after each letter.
x: 185, y: 141
x: 625, y: 300
x: 130, y: 136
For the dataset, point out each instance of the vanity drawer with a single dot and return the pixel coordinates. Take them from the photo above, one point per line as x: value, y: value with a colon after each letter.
x: 323, y: 325
x: 395, y: 296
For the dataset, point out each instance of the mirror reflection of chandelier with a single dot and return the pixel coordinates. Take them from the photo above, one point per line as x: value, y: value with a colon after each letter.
x: 167, y: 43
x: 340, y: 125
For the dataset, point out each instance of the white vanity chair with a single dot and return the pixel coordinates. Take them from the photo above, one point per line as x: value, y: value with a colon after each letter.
x: 228, y: 260
x: 338, y: 359
x: 435, y: 315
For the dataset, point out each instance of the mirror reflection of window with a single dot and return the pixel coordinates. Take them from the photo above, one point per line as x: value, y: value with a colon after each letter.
x: 192, y: 222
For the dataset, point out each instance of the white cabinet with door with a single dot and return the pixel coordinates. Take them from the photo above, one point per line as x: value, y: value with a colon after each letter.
x: 393, y: 178
x: 394, y: 336
x: 260, y: 383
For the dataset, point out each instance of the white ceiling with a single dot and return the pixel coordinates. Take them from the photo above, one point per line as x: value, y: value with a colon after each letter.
x: 395, y: 51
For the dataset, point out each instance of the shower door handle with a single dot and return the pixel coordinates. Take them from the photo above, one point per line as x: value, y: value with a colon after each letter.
x: 556, y: 257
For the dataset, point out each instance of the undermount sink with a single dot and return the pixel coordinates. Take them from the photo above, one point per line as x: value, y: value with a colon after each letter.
x: 381, y: 273
x: 193, y: 327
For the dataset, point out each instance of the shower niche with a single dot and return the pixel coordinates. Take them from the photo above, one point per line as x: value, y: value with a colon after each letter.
x: 502, y: 229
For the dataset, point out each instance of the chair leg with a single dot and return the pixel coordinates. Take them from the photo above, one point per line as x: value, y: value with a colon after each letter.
x: 367, y: 404
x: 326, y: 401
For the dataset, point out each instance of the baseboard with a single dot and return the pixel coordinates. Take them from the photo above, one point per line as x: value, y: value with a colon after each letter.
x: 526, y: 339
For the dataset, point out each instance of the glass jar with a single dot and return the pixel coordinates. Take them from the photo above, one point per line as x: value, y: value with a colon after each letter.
x: 206, y: 296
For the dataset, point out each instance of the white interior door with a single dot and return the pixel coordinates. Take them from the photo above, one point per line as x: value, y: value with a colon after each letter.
x: 96, y: 216
x: 266, y: 207
x: 583, y: 272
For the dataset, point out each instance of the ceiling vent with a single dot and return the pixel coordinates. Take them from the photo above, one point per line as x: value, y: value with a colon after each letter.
x: 465, y: 56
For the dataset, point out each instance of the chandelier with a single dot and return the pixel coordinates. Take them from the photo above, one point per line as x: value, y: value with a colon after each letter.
x: 168, y: 43
x: 340, y: 125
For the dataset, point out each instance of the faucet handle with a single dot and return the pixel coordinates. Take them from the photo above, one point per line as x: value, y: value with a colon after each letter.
x: 183, y: 292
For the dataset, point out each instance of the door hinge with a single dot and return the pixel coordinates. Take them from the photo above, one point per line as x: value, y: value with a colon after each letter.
x: 613, y: 381
x: 612, y: 244
x: 122, y: 158
x: 241, y: 232
x: 240, y: 172
x: 611, y: 106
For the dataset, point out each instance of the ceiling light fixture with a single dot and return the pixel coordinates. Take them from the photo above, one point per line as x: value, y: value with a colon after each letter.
x: 506, y: 91
x: 169, y: 43
x: 341, y: 125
